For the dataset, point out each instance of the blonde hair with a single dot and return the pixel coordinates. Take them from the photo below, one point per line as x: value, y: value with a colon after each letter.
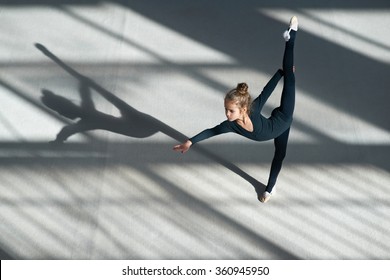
x: 240, y: 96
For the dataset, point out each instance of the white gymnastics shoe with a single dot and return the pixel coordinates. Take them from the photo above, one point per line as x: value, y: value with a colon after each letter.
x: 293, y: 26
x: 266, y: 196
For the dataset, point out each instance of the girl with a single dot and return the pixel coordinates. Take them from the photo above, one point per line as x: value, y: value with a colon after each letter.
x: 245, y: 118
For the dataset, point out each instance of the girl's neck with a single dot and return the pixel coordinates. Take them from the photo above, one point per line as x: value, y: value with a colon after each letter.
x: 244, y: 119
x: 246, y: 123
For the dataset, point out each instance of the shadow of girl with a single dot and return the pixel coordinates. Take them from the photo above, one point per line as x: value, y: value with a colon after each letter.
x: 131, y: 123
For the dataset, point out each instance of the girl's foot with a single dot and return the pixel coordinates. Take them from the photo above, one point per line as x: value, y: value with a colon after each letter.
x: 293, y: 26
x: 265, y: 197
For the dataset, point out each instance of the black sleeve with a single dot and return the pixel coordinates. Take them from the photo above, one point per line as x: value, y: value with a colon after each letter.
x: 267, y: 90
x: 224, y: 127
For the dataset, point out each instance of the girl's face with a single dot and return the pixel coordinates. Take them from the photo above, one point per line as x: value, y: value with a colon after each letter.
x: 232, y: 111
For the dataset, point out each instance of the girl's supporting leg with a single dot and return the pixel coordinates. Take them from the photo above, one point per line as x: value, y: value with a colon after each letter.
x: 280, y: 143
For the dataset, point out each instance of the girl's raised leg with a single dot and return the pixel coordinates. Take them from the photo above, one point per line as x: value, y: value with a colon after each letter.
x: 287, y: 102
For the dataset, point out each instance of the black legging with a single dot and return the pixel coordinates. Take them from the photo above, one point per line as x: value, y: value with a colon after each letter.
x: 287, y: 105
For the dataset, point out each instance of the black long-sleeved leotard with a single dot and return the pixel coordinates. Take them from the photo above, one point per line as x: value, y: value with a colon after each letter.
x: 263, y: 128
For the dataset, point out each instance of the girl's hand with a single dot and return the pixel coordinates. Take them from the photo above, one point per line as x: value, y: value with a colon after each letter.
x: 183, y: 147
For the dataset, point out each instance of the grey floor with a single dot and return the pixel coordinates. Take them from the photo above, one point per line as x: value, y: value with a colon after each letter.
x: 164, y: 66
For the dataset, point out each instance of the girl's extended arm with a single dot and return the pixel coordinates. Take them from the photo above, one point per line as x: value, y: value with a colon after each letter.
x: 224, y: 127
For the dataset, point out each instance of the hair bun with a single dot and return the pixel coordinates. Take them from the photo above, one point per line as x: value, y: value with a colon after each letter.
x: 242, y: 88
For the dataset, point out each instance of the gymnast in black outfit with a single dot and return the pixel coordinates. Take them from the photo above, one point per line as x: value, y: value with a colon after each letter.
x: 244, y: 117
